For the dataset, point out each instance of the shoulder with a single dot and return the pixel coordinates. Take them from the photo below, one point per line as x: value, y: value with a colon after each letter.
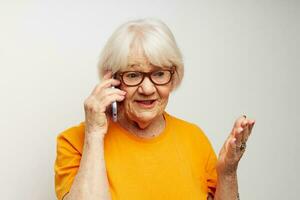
x: 187, y: 129
x: 72, y: 138
x: 181, y: 124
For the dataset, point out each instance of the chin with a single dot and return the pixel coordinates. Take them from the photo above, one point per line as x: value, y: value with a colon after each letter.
x: 146, y: 116
x: 142, y: 115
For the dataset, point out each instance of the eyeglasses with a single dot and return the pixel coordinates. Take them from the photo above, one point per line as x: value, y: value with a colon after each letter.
x: 135, y: 78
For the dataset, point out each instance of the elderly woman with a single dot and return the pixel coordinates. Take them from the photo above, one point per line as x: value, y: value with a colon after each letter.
x: 146, y: 153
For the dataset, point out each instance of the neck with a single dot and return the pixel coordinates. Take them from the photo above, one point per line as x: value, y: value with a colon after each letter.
x: 148, y: 129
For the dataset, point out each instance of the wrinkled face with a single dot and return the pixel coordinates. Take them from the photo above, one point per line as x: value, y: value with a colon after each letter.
x: 145, y: 102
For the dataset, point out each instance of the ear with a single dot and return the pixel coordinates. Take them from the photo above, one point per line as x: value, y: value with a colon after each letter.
x: 174, y: 82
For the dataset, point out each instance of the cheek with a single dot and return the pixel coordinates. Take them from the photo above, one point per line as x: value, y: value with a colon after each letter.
x: 162, y: 102
x: 129, y: 92
x: 129, y: 97
x: 164, y: 94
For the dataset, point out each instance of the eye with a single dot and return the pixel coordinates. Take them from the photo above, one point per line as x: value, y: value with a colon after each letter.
x: 132, y: 75
x: 159, y: 73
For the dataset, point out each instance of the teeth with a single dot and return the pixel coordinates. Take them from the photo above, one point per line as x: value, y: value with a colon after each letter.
x: 146, y: 102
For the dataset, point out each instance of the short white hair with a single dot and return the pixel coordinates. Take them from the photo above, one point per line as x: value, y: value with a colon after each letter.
x: 153, y: 37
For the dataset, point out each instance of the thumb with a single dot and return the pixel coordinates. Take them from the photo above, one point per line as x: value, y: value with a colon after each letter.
x: 231, y: 148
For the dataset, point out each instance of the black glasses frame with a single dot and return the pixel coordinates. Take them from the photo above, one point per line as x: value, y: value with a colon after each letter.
x: 146, y: 74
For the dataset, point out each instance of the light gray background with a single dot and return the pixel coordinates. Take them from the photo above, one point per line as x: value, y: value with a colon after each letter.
x: 241, y: 57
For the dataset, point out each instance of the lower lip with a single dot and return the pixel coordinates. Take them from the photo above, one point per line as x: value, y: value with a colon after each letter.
x: 146, y: 105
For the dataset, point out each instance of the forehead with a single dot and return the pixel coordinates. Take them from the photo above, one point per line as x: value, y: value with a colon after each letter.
x: 137, y: 55
x: 142, y: 68
x: 138, y: 61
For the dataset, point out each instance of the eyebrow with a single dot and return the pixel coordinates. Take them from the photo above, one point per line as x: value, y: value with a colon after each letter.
x: 137, y: 65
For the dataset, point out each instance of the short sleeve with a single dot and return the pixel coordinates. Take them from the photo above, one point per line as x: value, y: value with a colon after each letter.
x: 66, y: 166
x: 211, y: 173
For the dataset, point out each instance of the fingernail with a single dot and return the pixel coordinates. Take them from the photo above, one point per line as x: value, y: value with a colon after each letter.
x: 240, y: 130
x: 233, y: 141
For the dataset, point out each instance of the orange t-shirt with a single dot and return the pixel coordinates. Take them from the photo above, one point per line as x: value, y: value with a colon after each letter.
x: 179, y: 164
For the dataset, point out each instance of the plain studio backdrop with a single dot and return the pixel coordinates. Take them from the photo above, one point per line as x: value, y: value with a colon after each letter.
x: 241, y: 57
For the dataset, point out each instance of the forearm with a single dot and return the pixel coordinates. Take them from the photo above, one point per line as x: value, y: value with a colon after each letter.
x: 227, y: 188
x: 91, y: 181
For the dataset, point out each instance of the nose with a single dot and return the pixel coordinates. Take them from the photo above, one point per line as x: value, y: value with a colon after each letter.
x: 147, y: 87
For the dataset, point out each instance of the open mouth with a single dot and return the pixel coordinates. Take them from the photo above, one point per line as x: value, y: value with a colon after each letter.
x: 146, y: 103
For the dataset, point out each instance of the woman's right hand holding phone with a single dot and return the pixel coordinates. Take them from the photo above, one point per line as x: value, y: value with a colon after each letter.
x: 95, y: 105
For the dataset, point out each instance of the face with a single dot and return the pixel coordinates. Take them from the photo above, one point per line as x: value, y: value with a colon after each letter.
x: 147, y: 101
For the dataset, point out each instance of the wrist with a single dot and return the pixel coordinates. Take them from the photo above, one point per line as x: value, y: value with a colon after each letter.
x: 95, y: 132
x: 228, y: 177
x: 94, y: 138
x: 227, y: 171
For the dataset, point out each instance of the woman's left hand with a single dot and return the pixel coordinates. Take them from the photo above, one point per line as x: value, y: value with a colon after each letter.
x: 234, y: 147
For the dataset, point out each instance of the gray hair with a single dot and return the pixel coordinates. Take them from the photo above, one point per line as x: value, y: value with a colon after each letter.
x: 152, y: 36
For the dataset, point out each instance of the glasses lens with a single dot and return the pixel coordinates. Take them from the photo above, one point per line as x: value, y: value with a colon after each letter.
x: 132, y: 78
x: 161, y: 77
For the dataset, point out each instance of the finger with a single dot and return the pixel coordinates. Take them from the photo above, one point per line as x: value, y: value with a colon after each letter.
x: 248, y: 127
x: 105, y: 84
x: 238, y: 136
x: 245, y: 134
x: 107, y: 75
x: 112, y: 98
x: 110, y: 91
x: 106, y: 94
x: 232, y: 148
x: 110, y: 82
x: 238, y: 122
x: 252, y: 122
x: 244, y: 123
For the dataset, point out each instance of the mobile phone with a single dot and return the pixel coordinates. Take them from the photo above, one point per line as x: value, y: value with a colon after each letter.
x: 114, y: 108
